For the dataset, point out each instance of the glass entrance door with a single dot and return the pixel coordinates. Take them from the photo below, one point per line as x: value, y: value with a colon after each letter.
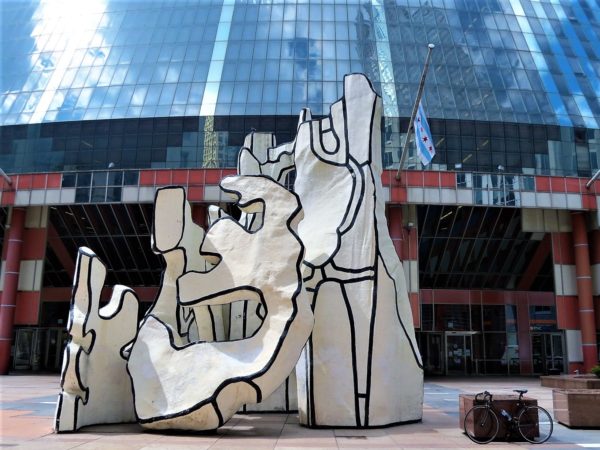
x: 55, y: 343
x: 25, y: 339
x: 431, y: 346
x: 458, y: 353
x: 39, y: 348
x: 548, y: 353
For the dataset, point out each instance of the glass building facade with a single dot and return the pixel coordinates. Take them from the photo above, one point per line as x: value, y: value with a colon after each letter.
x: 514, y: 83
x: 99, y: 90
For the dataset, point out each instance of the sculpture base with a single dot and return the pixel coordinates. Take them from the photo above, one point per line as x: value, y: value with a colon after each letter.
x: 354, y: 427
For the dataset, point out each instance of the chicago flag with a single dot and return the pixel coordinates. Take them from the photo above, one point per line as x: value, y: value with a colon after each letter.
x: 425, y: 146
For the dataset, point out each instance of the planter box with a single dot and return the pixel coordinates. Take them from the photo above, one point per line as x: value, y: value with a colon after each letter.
x: 571, y: 381
x: 579, y: 408
x: 499, y: 402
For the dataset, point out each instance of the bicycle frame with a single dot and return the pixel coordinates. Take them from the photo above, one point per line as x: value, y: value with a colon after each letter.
x: 511, y: 421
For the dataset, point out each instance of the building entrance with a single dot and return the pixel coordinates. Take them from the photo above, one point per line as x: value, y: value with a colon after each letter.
x: 431, y: 346
x: 548, y: 353
x: 39, y: 348
x: 459, y: 355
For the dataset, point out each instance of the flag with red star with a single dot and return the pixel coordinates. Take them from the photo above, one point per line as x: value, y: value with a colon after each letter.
x: 425, y: 147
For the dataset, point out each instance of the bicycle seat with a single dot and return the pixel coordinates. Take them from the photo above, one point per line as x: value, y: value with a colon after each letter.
x: 520, y: 391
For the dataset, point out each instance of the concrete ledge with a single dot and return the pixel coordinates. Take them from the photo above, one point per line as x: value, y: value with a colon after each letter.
x: 571, y: 381
x: 579, y: 408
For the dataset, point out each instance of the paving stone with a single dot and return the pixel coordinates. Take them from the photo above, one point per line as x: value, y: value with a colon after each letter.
x: 30, y: 426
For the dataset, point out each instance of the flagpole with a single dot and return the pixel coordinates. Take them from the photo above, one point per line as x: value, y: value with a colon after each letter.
x: 430, y: 47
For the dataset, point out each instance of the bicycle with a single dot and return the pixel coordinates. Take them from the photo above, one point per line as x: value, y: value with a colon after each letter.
x: 533, y: 423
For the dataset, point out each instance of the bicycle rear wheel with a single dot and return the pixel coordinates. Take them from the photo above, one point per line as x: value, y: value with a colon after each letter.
x: 481, y: 424
x: 535, y: 424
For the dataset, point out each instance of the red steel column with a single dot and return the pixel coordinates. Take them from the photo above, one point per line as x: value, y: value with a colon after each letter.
x: 584, y: 291
x: 406, y: 244
x: 14, y: 240
x: 595, y: 262
x: 523, y: 333
x: 565, y: 290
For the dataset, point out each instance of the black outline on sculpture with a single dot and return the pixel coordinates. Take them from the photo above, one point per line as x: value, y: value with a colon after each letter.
x: 357, y: 170
x: 266, y: 158
x: 185, y: 318
x: 333, y: 150
x: 248, y: 379
x: 118, y: 302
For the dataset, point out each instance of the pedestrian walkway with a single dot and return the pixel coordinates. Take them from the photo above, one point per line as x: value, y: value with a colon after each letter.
x: 27, y: 404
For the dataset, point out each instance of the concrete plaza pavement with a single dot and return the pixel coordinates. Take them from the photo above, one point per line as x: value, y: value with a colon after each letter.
x: 27, y: 404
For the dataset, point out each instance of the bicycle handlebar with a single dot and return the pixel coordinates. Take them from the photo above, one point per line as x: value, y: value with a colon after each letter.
x: 483, y: 396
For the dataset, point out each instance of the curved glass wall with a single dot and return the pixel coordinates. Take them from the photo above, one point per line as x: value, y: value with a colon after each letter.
x: 513, y: 83
x: 497, y: 60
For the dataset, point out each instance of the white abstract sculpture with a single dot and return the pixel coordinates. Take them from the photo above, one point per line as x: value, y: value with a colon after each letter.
x: 260, y: 156
x: 233, y: 314
x: 363, y: 368
x: 95, y: 386
x: 248, y: 265
x: 177, y: 238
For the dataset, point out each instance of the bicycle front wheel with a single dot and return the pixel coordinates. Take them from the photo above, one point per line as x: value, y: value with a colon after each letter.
x: 481, y: 424
x: 535, y: 424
